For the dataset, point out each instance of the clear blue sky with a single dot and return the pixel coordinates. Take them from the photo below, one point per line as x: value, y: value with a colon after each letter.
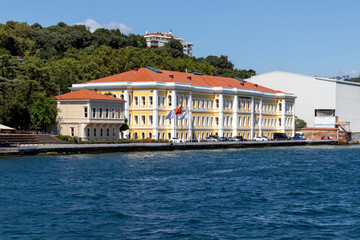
x: 313, y: 37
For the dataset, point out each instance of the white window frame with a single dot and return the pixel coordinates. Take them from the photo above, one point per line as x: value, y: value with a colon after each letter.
x: 142, y: 116
x: 143, y: 101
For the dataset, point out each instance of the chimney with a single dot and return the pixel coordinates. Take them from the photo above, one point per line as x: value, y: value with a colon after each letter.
x: 256, y: 85
x: 171, y: 76
x: 136, y: 69
x: 242, y: 84
x: 189, y: 78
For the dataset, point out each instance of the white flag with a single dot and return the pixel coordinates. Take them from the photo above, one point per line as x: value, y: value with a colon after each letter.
x: 183, y: 115
x: 170, y: 114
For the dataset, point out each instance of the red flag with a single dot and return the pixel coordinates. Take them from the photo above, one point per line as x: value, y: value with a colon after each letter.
x: 178, y: 110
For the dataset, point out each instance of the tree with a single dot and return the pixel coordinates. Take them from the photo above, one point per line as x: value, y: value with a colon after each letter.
x: 175, y: 48
x: 125, y: 126
x: 43, y: 112
x: 299, y: 123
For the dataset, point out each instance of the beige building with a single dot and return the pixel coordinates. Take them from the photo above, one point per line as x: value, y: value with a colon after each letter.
x: 89, y: 115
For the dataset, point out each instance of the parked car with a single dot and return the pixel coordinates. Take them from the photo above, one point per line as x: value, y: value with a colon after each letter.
x: 326, y: 138
x: 280, y: 136
x: 238, y: 138
x: 210, y: 139
x: 176, y: 140
x: 261, y: 138
x: 297, y: 137
x: 225, y: 139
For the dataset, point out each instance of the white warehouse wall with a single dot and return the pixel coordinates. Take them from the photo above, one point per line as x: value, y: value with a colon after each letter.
x: 316, y: 93
x: 302, y: 86
x: 348, y: 104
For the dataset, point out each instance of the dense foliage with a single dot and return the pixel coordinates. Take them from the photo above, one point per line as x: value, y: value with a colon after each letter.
x: 58, y: 56
x: 299, y: 123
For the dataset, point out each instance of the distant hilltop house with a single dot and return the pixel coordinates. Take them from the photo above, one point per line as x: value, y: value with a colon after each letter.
x: 159, y: 39
x: 211, y: 105
x: 321, y: 102
x: 89, y: 115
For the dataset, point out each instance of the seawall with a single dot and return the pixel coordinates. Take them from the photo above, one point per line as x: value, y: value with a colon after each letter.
x: 137, y: 147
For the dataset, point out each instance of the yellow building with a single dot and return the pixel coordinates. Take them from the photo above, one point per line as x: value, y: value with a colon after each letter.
x: 215, y: 105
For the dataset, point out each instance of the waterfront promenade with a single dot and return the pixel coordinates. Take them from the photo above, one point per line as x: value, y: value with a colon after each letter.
x: 135, y: 147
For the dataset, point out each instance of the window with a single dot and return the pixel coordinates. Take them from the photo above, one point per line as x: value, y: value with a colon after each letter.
x: 106, y: 113
x: 129, y: 120
x: 136, y: 101
x: 85, y: 112
x: 113, y: 113
x: 169, y: 100
x: 150, y: 120
x: 72, y: 131
x: 324, y: 112
x: 107, y: 132
x: 101, y: 132
x: 88, y: 132
x: 143, y: 101
x: 113, y: 132
x: 217, y: 104
x: 94, y: 113
x: 279, y: 121
x: 143, y: 120
x: 216, y: 121
x: 279, y: 107
x: 114, y: 95
x: 130, y: 100
x: 100, y: 113
x: 136, y: 120
x: 122, y: 96
x: 94, y: 132
x: 150, y: 100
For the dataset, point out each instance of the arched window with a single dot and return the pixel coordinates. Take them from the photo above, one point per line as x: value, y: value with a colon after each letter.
x: 142, y: 135
x: 114, y: 95
x: 169, y: 136
x: 136, y: 135
x: 122, y: 96
x: 150, y: 135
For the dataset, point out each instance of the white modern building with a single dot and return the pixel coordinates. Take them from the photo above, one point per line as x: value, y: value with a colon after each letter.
x: 159, y: 39
x: 321, y: 102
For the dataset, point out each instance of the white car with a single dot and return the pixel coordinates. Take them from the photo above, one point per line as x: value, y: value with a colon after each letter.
x: 261, y: 138
x: 176, y: 140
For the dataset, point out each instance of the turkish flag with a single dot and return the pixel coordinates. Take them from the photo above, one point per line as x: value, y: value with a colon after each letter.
x: 178, y: 110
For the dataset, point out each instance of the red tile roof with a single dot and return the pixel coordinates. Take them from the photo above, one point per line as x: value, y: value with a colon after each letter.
x: 146, y: 75
x: 85, y: 94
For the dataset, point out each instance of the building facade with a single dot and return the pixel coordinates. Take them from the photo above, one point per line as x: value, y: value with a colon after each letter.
x: 89, y: 115
x: 215, y: 105
x: 321, y: 102
x: 159, y: 39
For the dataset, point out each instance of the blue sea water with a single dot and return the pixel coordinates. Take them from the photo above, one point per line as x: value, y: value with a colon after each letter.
x: 263, y: 193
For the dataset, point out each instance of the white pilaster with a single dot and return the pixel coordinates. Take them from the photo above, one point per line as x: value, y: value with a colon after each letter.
x: 293, y: 118
x: 260, y: 117
x: 127, y: 99
x: 174, y: 120
x: 190, y: 116
x: 235, y: 116
x: 221, y: 115
x: 155, y: 115
x: 252, y: 119
x: 283, y: 111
